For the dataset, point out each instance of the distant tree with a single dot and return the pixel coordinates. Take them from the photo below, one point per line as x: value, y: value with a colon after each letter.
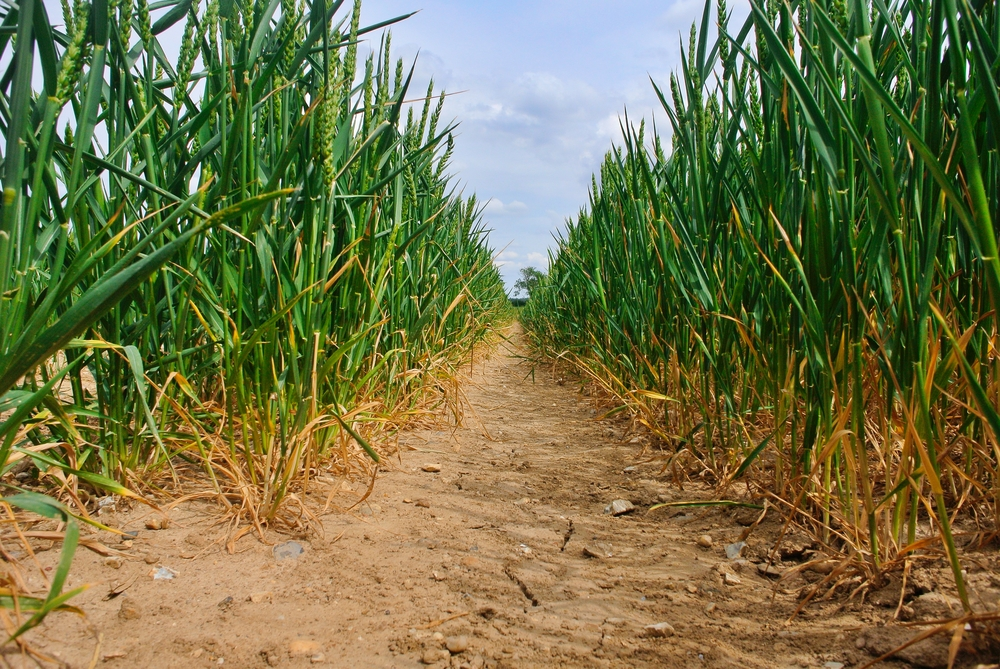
x: 530, y: 278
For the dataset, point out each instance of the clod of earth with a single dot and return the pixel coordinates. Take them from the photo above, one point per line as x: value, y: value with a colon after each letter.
x: 303, y: 648
x: 129, y: 610
x: 930, y: 653
x: 935, y: 606
x: 659, y: 630
x: 457, y: 644
x: 435, y: 655
x: 432, y: 468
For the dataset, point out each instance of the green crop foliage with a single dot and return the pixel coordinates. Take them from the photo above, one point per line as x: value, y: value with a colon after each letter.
x: 802, y: 292
x: 234, y: 267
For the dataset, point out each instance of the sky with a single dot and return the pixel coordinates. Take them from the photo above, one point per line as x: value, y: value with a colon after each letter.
x: 544, y: 84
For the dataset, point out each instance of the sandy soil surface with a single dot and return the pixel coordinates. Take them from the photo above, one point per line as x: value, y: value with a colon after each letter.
x: 505, y: 555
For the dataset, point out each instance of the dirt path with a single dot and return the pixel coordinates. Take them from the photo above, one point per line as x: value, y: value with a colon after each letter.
x: 509, y: 541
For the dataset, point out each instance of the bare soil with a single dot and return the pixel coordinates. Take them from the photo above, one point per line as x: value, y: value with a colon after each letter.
x: 508, y: 546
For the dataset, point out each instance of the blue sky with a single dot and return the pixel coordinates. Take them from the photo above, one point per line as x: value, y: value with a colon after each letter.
x: 546, y: 83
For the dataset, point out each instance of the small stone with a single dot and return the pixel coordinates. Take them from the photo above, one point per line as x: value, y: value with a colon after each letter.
x: 303, y: 648
x: 711, y: 608
x: 834, y: 665
x: 693, y: 589
x: 157, y: 524
x: 734, y: 551
x: 860, y: 642
x: 198, y: 652
x: 164, y: 574
x: 768, y: 570
x: 151, y: 558
x: 457, y: 644
x: 407, y: 500
x: 705, y: 541
x: 226, y: 603
x: 660, y: 630
x: 731, y: 579
x: 113, y: 562
x: 470, y: 561
x: 620, y: 507
x: 629, y: 470
x: 595, y: 553
x: 431, y: 468
x: 435, y: 655
x: 317, y: 658
x: 289, y: 550
x: 438, y: 577
x: 261, y: 597
x: 422, y: 503
x: 822, y: 566
x: 129, y: 611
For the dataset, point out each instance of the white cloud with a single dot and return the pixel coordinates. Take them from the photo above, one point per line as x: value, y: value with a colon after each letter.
x: 496, y: 207
x: 611, y: 127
